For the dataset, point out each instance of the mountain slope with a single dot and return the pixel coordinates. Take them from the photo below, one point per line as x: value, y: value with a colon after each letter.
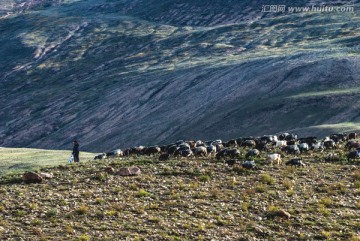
x: 124, y: 73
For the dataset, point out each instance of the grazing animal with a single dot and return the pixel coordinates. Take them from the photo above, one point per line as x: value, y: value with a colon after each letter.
x: 218, y: 146
x: 100, y: 156
x: 249, y: 165
x: 115, y: 153
x: 152, y: 150
x: 192, y: 144
x: 232, y: 153
x: 291, y: 137
x: 199, y: 143
x: 211, y: 150
x: 309, y: 140
x: 274, y: 158
x: 352, y: 135
x: 280, y: 144
x: 295, y: 162
x: 231, y: 143
x: 184, y: 146
x: 171, y: 149
x: 164, y: 157
x: 221, y: 154
x: 185, y: 153
x: 329, y: 144
x: 318, y: 146
x: 292, y: 149
x: 252, y: 153
x: 291, y: 142
x: 248, y: 143
x: 118, y: 153
x: 303, y: 147
x: 262, y: 146
x: 338, y: 137
x: 332, y: 157
x: 283, y: 136
x: 353, y: 155
x: 352, y: 144
x: 200, y: 151
x: 269, y: 138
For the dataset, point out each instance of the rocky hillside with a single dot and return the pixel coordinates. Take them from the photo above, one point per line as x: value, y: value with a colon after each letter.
x: 122, y: 73
x: 193, y: 199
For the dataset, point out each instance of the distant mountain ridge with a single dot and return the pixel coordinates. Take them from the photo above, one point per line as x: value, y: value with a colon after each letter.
x: 123, y: 73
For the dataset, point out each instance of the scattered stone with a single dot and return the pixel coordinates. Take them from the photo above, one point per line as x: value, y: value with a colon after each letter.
x: 110, y: 170
x: 46, y: 175
x: 31, y: 177
x: 129, y: 171
x: 280, y: 213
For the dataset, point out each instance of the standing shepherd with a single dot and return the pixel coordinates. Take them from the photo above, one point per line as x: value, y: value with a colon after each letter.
x: 76, y: 151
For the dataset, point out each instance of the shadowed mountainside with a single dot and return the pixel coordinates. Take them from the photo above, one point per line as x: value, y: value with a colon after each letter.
x: 123, y: 73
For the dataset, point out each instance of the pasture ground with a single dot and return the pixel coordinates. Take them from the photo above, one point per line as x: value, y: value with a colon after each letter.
x: 187, y: 199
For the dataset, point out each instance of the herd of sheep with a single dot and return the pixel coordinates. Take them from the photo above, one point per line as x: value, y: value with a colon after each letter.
x: 275, y: 147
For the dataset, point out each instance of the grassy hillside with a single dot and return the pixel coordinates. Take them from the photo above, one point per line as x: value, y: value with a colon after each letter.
x: 17, y: 160
x: 194, y: 199
x: 123, y: 73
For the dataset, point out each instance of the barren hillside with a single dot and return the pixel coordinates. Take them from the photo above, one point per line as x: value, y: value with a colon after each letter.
x: 122, y: 73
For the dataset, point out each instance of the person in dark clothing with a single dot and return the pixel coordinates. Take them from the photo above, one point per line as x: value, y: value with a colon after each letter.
x: 76, y: 151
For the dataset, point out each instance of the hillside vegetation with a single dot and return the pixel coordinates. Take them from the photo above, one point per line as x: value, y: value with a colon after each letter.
x: 185, y: 199
x: 17, y: 160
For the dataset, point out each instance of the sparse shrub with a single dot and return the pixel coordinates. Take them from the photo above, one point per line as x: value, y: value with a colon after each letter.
x: 266, y: 178
x: 325, y: 234
x: 87, y: 194
x: 118, y: 206
x: 323, y: 210
x: 69, y: 229
x: 245, y: 206
x: 174, y: 195
x: 288, y: 184
x: 111, y: 213
x: 356, y: 176
x: 154, y: 219
x: 19, y: 213
x: 153, y: 206
x: 102, y: 176
x: 33, y: 206
x: 36, y: 222
x: 83, y: 237
x: 327, y: 202
x: 214, y: 192
x: 142, y: 193
x: 199, y: 195
x: 261, y: 188
x: 194, y: 185
x: 357, y: 184
x: 290, y: 192
x: 273, y: 208
x: 52, y: 212
x: 204, y: 178
x: 99, y: 200
x: 83, y: 209
x: 133, y: 186
x: 181, y: 186
x: 248, y: 192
